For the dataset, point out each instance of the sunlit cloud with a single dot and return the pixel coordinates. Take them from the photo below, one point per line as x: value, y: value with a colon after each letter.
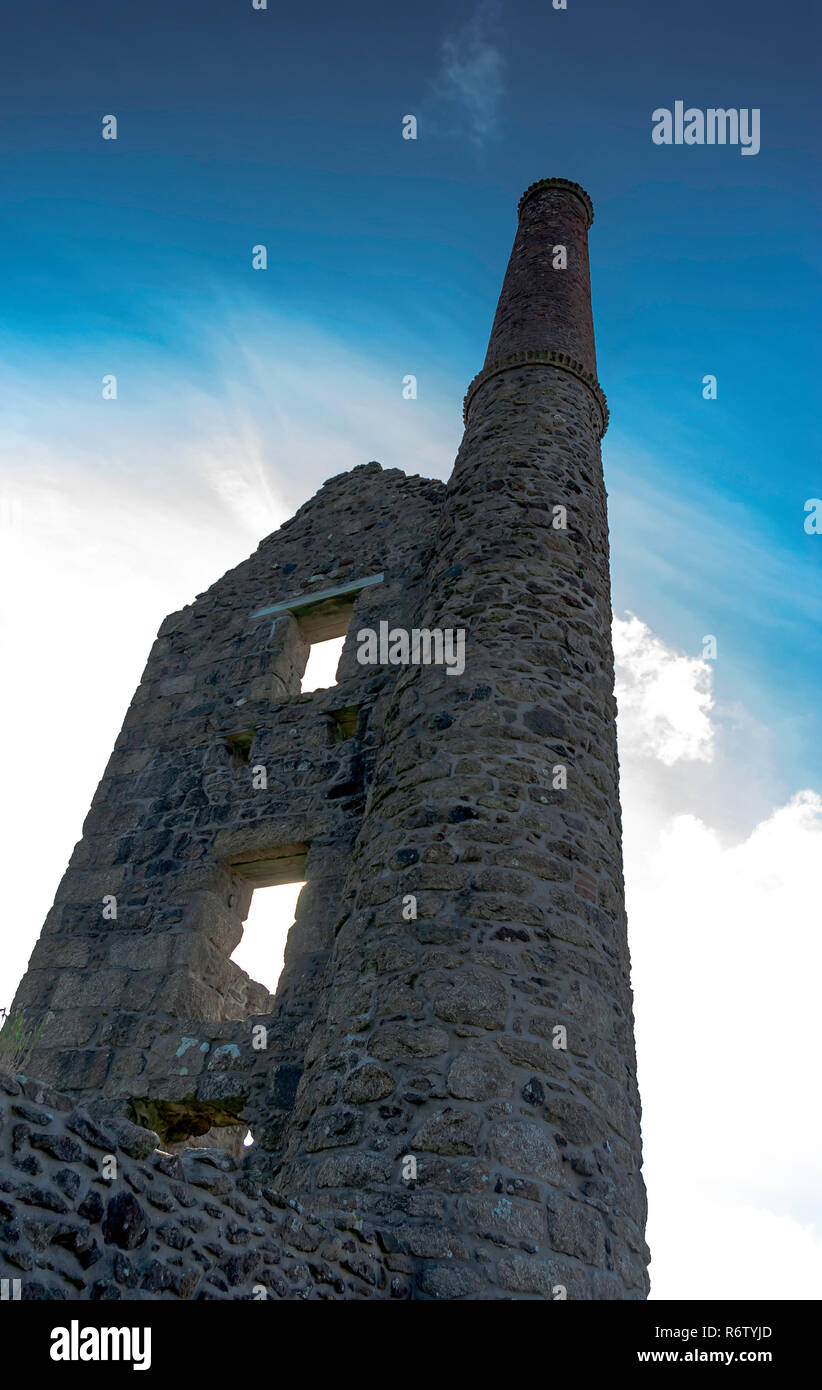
x: 704, y: 1249
x: 664, y: 699
x: 718, y: 922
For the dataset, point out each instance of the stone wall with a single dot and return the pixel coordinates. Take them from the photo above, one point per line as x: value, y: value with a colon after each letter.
x: 196, y: 1225
x: 147, y: 1010
x: 437, y: 1037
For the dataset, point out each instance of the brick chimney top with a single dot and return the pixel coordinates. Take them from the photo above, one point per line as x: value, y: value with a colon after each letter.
x: 543, y: 317
x: 559, y: 183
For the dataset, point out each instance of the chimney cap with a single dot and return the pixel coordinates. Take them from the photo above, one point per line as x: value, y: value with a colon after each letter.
x: 568, y: 184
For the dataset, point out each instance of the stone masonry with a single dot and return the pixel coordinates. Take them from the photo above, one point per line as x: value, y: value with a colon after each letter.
x: 447, y: 1067
x: 101, y: 1213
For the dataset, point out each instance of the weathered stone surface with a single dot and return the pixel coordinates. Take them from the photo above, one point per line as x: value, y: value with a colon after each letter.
x: 137, y: 1253
x: 479, y: 1076
x: 525, y: 1147
x: 449, y: 1282
x: 79, y: 1123
x: 58, y: 1146
x: 135, y: 1141
x: 398, y: 1040
x: 474, y: 998
x: 368, y: 1082
x: 125, y: 1225
x: 449, y: 1133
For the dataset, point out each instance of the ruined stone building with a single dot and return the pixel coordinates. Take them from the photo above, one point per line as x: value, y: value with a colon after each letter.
x: 442, y: 1093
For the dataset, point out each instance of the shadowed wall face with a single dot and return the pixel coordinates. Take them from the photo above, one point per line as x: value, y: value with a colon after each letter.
x: 449, y: 1056
x: 225, y: 778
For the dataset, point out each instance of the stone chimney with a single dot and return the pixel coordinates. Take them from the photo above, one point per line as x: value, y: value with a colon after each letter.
x: 477, y: 1029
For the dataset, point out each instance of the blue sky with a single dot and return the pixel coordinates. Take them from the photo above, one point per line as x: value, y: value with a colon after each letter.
x: 241, y: 391
x: 238, y: 127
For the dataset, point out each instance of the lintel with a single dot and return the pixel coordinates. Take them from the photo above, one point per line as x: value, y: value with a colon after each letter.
x: 284, y: 864
x: 291, y: 605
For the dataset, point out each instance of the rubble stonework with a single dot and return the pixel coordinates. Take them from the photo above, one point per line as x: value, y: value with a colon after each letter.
x: 456, y: 986
x: 159, y: 1226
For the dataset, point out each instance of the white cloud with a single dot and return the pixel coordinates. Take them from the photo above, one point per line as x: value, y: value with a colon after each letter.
x: 664, y: 699
x: 727, y: 953
x: 727, y: 956
x: 704, y: 1249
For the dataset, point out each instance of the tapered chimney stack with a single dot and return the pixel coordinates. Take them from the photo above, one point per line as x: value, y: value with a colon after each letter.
x: 544, y: 310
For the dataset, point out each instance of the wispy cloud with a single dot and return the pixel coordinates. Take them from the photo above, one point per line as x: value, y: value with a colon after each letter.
x: 469, y: 87
x: 273, y: 408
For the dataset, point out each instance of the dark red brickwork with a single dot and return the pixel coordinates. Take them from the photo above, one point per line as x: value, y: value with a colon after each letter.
x: 540, y: 307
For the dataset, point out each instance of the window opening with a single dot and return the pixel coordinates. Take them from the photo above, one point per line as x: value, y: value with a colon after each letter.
x: 261, y: 950
x: 321, y: 668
